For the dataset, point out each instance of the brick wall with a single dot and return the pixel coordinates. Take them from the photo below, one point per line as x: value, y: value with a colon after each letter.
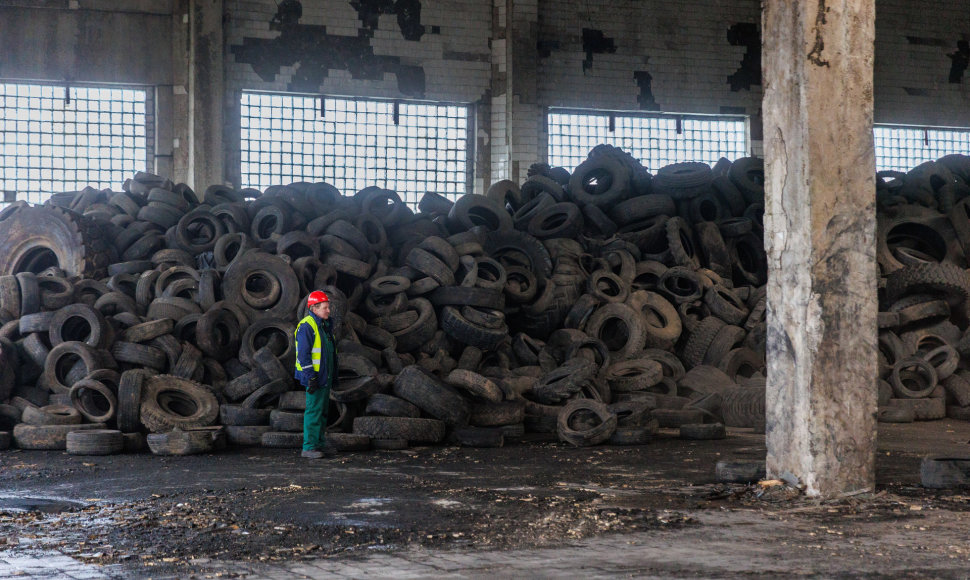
x: 701, y: 56
x: 439, y: 51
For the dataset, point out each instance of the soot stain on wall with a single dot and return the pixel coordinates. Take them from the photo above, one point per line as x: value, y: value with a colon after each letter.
x: 595, y: 42
x: 408, y: 15
x: 645, y: 98
x: 317, y: 52
x: 961, y: 60
x: 746, y: 34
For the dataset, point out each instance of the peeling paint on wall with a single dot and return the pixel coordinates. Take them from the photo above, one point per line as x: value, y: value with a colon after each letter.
x: 645, y: 98
x: 746, y: 34
x: 316, y: 52
x: 595, y: 42
x: 408, y: 15
x: 961, y: 60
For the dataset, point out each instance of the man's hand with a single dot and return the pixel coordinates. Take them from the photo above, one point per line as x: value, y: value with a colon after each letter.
x: 312, y: 384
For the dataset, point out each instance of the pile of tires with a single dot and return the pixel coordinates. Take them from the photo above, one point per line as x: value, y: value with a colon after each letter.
x: 601, y: 305
x: 923, y: 252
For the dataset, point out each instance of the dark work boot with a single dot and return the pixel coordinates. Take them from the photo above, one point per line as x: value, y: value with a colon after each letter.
x: 311, y: 454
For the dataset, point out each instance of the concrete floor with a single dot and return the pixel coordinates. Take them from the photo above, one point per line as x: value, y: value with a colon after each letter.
x: 536, y: 510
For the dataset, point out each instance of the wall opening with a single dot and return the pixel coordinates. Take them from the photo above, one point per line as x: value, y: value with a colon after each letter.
x: 902, y: 147
x: 654, y: 139
x: 56, y: 138
x: 410, y: 147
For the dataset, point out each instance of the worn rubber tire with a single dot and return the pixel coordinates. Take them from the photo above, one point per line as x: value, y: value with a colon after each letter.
x: 412, y: 429
x: 95, y: 442
x: 195, y: 406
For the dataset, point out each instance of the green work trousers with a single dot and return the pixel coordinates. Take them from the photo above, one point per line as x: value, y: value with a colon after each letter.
x: 315, y: 419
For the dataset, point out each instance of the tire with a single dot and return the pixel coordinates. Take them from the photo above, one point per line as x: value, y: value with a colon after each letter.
x: 286, y: 421
x: 431, y: 266
x: 683, y: 180
x: 957, y: 386
x: 412, y: 337
x: 95, y: 442
x: 349, y: 441
x: 79, y: 322
x: 743, y: 406
x: 512, y: 248
x: 431, y: 396
x: 390, y: 406
x: 642, y: 207
x: 169, y: 402
x: 217, y: 334
x: 497, y: 414
x: 559, y: 220
x: 246, y: 435
x: 726, y: 305
x: 945, y: 472
x: 703, y: 431
x: 475, y: 384
x: 254, y: 266
x: 606, y: 286
x: 277, y: 335
x: 411, y: 429
x: 633, y: 375
x: 94, y: 400
x: 623, y: 343
x: 681, y: 285
x: 748, y: 174
x: 89, y: 359
x: 129, y: 401
x: 913, y: 384
x: 600, y: 169
x: 946, y: 279
x: 39, y: 322
x: 739, y: 471
x: 36, y: 237
x: 459, y: 328
x: 282, y: 439
x: 472, y: 210
x: 597, y: 428
x: 187, y: 442
x: 680, y: 240
x: 51, y: 415
x: 663, y: 326
x: 50, y: 437
x: 139, y: 355
x: 675, y: 418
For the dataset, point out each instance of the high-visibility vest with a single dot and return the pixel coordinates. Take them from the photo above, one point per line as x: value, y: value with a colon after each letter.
x: 317, y: 349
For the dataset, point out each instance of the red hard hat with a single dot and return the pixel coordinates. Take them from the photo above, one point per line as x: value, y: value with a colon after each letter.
x: 316, y: 297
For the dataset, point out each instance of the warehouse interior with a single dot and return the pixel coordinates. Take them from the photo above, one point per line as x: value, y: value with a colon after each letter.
x: 804, y: 167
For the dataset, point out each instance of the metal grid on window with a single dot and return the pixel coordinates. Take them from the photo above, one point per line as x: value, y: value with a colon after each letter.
x: 409, y: 147
x: 56, y: 138
x: 901, y: 148
x: 656, y: 140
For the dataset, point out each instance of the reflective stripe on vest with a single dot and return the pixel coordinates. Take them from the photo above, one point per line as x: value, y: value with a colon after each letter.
x: 317, y: 345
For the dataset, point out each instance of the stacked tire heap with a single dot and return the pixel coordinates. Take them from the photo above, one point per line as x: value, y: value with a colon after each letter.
x: 923, y: 248
x: 574, y: 303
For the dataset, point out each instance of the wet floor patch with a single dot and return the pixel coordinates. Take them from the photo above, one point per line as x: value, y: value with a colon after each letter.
x: 37, y: 504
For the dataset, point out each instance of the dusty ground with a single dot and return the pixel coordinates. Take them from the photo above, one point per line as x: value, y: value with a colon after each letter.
x: 161, y: 514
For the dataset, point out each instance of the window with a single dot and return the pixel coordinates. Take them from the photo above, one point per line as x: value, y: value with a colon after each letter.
x: 655, y: 140
x: 901, y: 148
x: 409, y: 147
x: 56, y: 138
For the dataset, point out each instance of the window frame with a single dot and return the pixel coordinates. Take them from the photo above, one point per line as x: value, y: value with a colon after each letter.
x: 7, y: 196
x: 470, y: 109
x: 617, y: 113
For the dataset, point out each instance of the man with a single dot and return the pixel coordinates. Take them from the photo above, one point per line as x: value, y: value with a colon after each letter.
x: 316, y: 369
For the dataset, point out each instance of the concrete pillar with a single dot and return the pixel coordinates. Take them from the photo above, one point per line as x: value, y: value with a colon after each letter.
x: 516, y: 116
x: 198, y: 93
x: 820, y: 237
